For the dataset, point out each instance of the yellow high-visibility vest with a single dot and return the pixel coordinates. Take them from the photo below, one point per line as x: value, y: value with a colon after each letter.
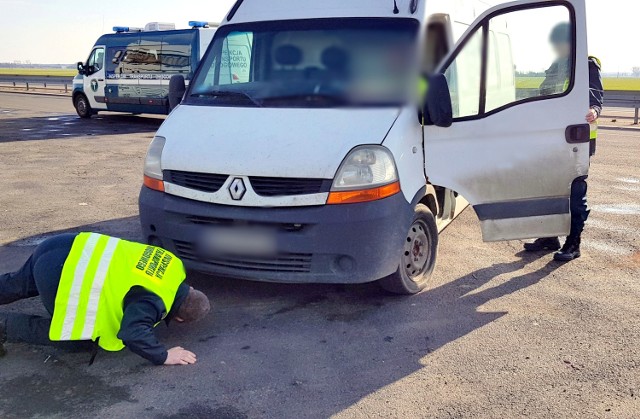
x: 593, y: 135
x: 97, y: 275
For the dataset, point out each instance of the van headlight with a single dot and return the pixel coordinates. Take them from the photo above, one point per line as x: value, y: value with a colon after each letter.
x: 368, y: 173
x: 152, y: 165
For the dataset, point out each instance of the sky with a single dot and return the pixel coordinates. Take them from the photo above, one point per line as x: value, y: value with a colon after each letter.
x: 63, y: 31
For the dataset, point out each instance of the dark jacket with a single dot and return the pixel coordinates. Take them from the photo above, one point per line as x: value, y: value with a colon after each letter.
x: 142, y: 311
x: 596, y: 90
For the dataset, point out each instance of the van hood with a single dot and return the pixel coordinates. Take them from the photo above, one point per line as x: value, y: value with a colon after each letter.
x: 269, y: 142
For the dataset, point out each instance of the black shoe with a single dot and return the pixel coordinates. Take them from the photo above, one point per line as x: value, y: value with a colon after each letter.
x: 550, y: 243
x: 569, y: 252
x: 3, y: 337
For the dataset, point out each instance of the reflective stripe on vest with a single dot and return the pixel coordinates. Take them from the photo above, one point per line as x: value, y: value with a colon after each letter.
x: 97, y: 275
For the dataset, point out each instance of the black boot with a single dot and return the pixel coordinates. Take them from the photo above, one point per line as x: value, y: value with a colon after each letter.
x: 550, y: 243
x: 570, y: 250
x: 3, y: 336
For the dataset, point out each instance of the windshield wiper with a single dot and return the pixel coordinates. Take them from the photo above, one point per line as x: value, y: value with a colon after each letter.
x: 228, y: 94
x: 308, y: 98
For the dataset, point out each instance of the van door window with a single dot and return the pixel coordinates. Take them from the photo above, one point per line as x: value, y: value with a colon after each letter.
x: 464, y: 78
x: 529, y: 55
x: 176, y: 53
x: 96, y: 60
x: 143, y: 58
x: 513, y: 57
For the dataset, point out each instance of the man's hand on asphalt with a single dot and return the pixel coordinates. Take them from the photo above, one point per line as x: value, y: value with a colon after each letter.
x: 592, y: 115
x: 180, y: 356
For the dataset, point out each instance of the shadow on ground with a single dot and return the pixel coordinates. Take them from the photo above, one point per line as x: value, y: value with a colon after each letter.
x: 71, y: 126
x: 267, y: 350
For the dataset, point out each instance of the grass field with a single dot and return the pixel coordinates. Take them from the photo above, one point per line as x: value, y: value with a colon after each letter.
x: 522, y: 82
x: 58, y: 72
x: 627, y: 84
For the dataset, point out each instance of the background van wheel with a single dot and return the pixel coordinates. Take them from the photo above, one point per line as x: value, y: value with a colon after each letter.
x: 418, y: 258
x: 82, y: 106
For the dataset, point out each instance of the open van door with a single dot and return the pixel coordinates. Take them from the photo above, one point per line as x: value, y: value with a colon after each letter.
x: 519, y: 137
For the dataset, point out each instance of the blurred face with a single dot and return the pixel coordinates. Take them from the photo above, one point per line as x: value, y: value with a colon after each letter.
x: 562, y: 49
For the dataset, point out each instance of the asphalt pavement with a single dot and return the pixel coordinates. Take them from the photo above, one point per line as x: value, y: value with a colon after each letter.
x: 498, y: 334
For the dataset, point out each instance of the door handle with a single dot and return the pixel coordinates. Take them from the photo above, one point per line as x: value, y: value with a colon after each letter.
x: 576, y: 134
x: 100, y: 79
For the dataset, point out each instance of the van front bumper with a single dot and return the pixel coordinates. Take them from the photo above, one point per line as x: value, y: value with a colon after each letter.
x: 353, y: 243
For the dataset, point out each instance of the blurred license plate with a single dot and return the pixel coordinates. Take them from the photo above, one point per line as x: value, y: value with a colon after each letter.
x: 239, y: 241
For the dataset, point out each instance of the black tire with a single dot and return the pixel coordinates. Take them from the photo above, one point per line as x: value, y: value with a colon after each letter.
x: 83, y: 108
x: 418, y: 258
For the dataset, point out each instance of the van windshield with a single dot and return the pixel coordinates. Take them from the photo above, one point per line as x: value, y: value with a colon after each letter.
x: 309, y: 63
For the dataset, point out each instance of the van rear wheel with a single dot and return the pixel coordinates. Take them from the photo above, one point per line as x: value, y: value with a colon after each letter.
x: 83, y: 108
x: 418, y: 257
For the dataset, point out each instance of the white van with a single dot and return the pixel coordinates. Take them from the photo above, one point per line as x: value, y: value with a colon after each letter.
x: 298, y: 153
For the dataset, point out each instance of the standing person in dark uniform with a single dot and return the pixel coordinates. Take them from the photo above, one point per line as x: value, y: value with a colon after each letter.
x: 556, y: 81
x: 101, y: 289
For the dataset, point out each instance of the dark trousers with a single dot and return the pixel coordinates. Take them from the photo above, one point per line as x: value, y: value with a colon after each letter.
x: 39, y: 276
x: 579, y: 208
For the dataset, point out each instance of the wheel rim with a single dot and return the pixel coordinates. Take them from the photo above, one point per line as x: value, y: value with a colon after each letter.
x: 416, y: 251
x: 82, y: 106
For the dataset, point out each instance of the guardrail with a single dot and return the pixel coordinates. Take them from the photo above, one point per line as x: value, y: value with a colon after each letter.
x: 612, y: 98
x: 39, y: 82
x: 623, y: 99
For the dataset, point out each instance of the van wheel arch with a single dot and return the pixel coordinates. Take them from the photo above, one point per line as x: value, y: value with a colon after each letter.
x: 430, y: 200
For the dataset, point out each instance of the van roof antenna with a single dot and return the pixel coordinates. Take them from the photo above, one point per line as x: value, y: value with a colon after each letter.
x: 395, y: 8
x: 234, y: 10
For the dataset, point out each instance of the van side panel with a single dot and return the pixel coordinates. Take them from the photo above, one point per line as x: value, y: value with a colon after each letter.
x: 139, y: 66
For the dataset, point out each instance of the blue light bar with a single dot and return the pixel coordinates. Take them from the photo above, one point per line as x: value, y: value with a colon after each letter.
x: 121, y: 29
x: 198, y: 24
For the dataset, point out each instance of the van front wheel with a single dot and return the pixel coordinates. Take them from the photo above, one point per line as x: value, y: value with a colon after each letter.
x: 83, y: 108
x: 418, y: 257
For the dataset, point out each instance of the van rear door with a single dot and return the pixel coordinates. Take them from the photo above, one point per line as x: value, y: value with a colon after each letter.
x: 519, y: 136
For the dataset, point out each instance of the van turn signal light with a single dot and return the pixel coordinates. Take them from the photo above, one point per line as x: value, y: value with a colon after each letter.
x: 155, y: 184
x: 365, y: 195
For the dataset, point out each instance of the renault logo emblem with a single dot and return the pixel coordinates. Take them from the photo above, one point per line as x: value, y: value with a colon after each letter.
x: 237, y: 189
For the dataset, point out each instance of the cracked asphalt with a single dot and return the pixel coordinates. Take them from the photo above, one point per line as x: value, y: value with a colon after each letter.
x: 499, y: 333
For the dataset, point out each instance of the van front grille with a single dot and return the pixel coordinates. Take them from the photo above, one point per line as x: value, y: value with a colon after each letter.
x: 263, y: 186
x: 274, y: 186
x: 284, y: 262
x: 204, y: 182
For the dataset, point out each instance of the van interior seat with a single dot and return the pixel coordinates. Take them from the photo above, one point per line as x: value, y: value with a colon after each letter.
x: 336, y: 60
x: 287, y: 58
x: 288, y: 55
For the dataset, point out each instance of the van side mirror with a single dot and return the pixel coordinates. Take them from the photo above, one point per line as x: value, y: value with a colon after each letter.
x: 438, y: 108
x: 177, y: 87
x: 80, y: 67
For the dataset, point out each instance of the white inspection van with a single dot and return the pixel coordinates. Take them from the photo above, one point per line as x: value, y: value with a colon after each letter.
x: 129, y: 70
x: 299, y: 153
